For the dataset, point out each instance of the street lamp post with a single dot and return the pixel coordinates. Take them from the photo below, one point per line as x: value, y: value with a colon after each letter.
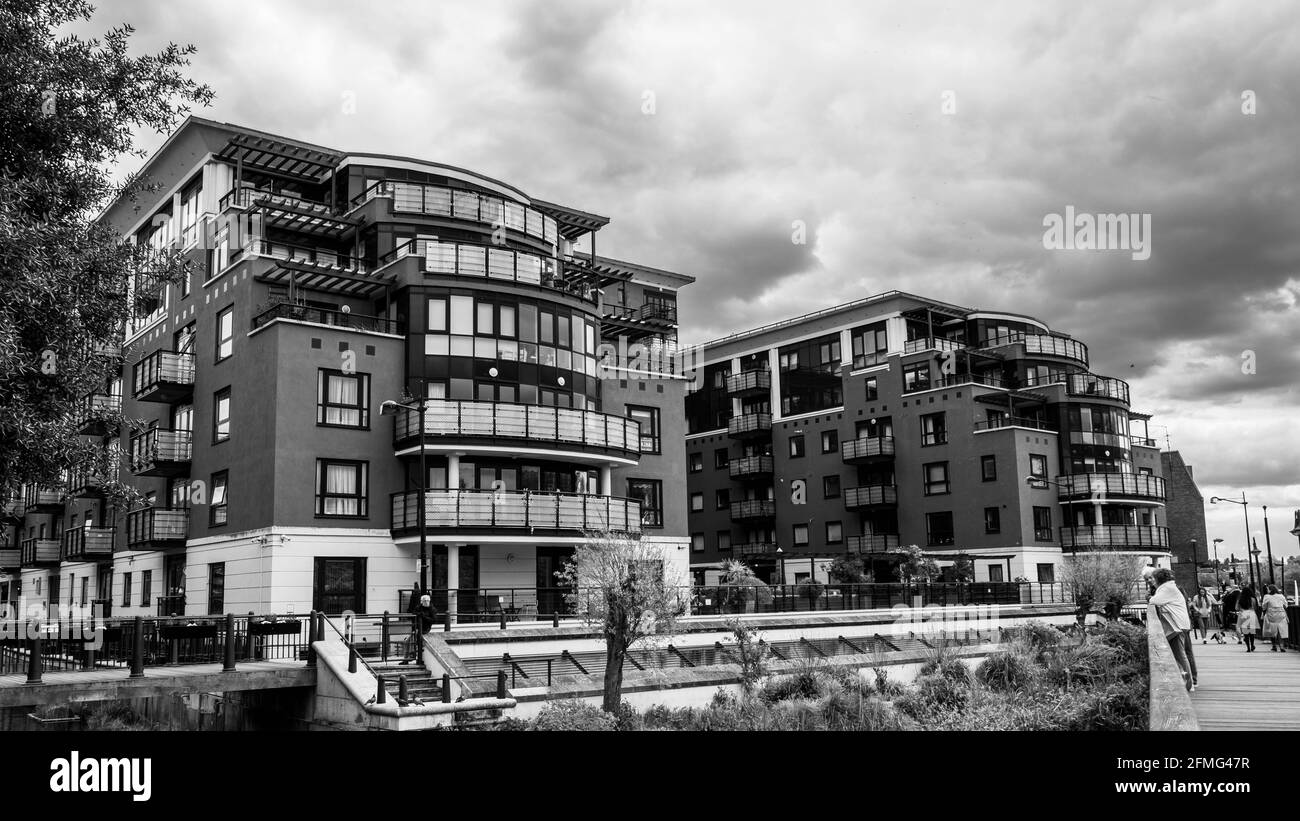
x: 1254, y: 564
x: 1268, y: 543
x: 1218, y: 579
x: 389, y: 408
x: 1244, y: 512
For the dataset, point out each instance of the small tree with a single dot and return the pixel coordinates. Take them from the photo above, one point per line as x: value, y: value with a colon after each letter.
x: 741, y: 585
x: 624, y: 586
x: 812, y: 590
x: 848, y: 570
x: 751, y: 652
x: 914, y: 565
x: 963, y: 569
x: 1109, y: 579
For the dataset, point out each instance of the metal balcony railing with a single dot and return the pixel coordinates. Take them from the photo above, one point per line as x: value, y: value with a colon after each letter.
x: 163, y: 376
x: 515, y: 509
x: 496, y: 421
x: 488, y: 261
x: 93, y: 409
x: 753, y: 509
x: 750, y: 424
x: 879, y: 447
x: 1055, y: 345
x: 870, y: 496
x: 648, y: 312
x: 457, y: 203
x: 750, y: 466
x: 754, y: 549
x: 1117, y: 537
x: 323, y: 316
x: 11, y: 557
x: 158, y: 451
x: 754, y: 381
x: 874, y: 543
x: 156, y: 526
x: 36, y: 498
x: 39, y: 551
x: 927, y: 343
x: 87, y: 543
x: 1014, y: 422
x: 1090, y: 384
x: 1103, y: 486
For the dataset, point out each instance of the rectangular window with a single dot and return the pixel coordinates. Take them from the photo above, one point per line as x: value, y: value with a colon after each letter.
x: 936, y: 478
x: 697, y: 542
x: 697, y: 502
x: 800, y: 535
x: 995, y: 573
x: 796, y: 446
x: 992, y: 520
x: 1042, y: 524
x: 934, y: 431
x: 226, y: 333
x: 221, y: 416
x: 216, y: 588
x: 462, y: 315
x: 724, y: 540
x: 722, y: 499
x: 873, y: 390
x: 696, y: 461
x: 126, y: 589
x: 834, y: 532
x: 830, y: 441
x: 916, y: 377
x: 828, y: 353
x: 438, y: 315
x: 85, y: 590
x: 648, y: 419
x: 339, y: 585
x: 1046, y: 574
x: 788, y: 361
x: 146, y: 587
x: 720, y: 458
x: 938, y: 528
x: 507, y: 323
x: 342, y: 488
x: 486, y: 319
x: 989, y: 468
x: 1038, y: 466
x: 830, y: 487
x: 343, y: 399
x: 650, y: 493
x: 217, y: 510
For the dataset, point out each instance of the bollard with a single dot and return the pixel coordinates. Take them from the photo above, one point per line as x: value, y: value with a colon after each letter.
x: 446, y: 688
x: 137, y: 651
x: 503, y: 619
x: 501, y: 683
x: 311, y: 639
x: 384, y: 637
x: 352, y: 659
x: 381, y: 695
x: 34, y: 661
x: 229, y: 666
x: 402, y: 694
x: 548, y: 672
x: 555, y: 619
x: 446, y: 622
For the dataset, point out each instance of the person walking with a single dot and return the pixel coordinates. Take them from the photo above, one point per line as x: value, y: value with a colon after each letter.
x: 1229, y: 607
x: 1171, y: 608
x: 1247, y: 621
x: 1202, y: 612
x: 1275, y: 626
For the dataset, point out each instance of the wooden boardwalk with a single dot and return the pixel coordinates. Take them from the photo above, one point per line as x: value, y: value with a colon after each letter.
x: 103, y: 684
x: 1246, y: 691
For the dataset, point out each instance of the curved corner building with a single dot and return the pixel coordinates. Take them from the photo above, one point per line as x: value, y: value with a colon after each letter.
x: 326, y: 283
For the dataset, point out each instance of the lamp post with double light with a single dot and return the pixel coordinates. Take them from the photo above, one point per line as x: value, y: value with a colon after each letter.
x: 389, y: 408
x: 1218, y: 579
x: 1244, y: 512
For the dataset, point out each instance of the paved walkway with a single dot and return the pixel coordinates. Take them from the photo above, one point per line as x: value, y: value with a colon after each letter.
x: 1246, y: 691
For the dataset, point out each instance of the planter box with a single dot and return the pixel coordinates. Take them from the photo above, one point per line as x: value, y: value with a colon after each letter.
x: 188, y: 631
x: 275, y: 628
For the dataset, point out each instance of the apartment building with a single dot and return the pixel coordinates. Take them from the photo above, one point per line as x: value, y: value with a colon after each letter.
x: 897, y: 420
x: 325, y: 284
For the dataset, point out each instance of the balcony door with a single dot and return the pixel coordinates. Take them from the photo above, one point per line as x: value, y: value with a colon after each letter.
x: 183, y: 417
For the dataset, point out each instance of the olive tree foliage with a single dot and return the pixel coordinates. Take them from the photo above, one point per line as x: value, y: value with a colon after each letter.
x: 69, y: 111
x: 914, y: 565
x: 623, y: 586
x: 1100, y: 579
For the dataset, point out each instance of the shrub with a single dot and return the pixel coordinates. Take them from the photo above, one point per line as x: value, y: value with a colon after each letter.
x: 946, y: 665
x: 884, y: 685
x: 932, y: 693
x: 1088, y: 663
x: 1041, y: 637
x: 751, y: 651
x: 1005, y: 670
x: 571, y: 714
x: 804, y: 683
x: 1129, y: 640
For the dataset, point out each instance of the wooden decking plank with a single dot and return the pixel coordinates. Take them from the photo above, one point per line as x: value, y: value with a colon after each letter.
x: 1246, y: 691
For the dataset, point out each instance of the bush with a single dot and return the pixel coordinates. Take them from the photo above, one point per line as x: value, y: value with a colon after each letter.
x: 1005, y: 670
x: 1122, y: 705
x: 1089, y: 663
x: 1042, y: 638
x: 884, y: 685
x: 947, y: 666
x: 804, y: 683
x: 571, y: 714
x: 1129, y: 641
x: 933, y: 693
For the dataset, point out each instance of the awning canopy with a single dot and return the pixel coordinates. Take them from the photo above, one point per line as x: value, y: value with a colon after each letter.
x: 327, y: 278
x: 280, y: 158
x: 571, y: 222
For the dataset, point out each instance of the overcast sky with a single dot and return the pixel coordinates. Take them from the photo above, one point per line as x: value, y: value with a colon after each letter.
x: 921, y: 144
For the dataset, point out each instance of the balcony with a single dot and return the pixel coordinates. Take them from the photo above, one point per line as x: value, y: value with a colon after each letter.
x: 491, y: 424
x: 750, y: 426
x: 489, y: 262
x: 87, y: 543
x: 650, y: 319
x: 93, y: 411
x: 750, y: 467
x: 754, y: 549
x: 164, y: 376
x: 11, y: 558
x: 42, y: 499
x: 159, y: 452
x: 857, y: 451
x: 1106, y: 387
x: 1014, y: 422
x: 873, y: 543
x: 1111, y: 487
x: 519, y: 510
x: 870, y: 496
x: 932, y: 344
x: 287, y: 212
x: 1115, y: 537
x: 39, y: 552
x: 459, y: 204
x: 1060, y: 347
x: 155, y: 528
x: 88, y: 484
x: 753, y: 509
x: 321, y: 316
x: 750, y: 383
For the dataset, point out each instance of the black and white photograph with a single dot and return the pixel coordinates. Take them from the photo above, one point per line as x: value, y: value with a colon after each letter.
x: 457, y: 368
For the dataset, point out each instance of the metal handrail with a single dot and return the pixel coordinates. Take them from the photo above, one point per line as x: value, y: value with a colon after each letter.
x: 516, y: 420
x: 459, y: 203
x: 325, y: 316
x: 516, y: 509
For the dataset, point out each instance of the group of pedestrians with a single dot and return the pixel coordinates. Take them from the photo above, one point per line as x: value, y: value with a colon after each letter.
x: 1239, y: 612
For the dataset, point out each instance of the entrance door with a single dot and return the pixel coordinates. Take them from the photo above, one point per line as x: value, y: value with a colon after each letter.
x: 104, y: 588
x: 550, y: 594
x: 339, y: 585
x: 174, y: 579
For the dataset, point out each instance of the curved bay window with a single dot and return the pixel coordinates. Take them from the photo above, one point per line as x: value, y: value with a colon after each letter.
x: 1099, y: 439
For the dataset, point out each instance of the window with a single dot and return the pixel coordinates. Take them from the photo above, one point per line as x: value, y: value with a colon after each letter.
x: 828, y: 353
x: 989, y: 468
x: 343, y: 399
x: 1042, y: 524
x: 650, y: 493
x: 146, y: 587
x: 938, y: 528
x: 1038, y: 465
x: 800, y: 535
x: 873, y: 389
x: 992, y: 520
x: 1046, y: 574
x: 126, y: 589
x: 936, y: 478
x: 788, y: 361
x: 697, y: 542
x: 870, y: 345
x: 217, y: 510
x: 796, y: 446
x: 722, y: 499
x: 341, y: 488
x: 226, y: 333
x: 216, y: 588
x: 724, y: 540
x: 221, y: 416
x: 85, y: 590
x: 830, y: 487
x: 339, y: 585
x: 720, y: 458
x: 933, y: 429
x: 648, y: 419
x: 830, y: 441
x: 696, y: 461
x: 437, y: 315
x: 834, y: 532
x: 697, y: 502
x: 995, y: 573
x: 916, y: 377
